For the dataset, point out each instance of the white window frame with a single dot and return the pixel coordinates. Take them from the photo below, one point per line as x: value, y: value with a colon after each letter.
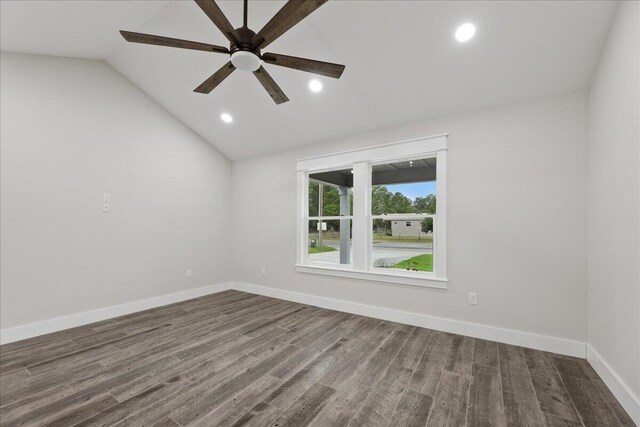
x: 361, y: 161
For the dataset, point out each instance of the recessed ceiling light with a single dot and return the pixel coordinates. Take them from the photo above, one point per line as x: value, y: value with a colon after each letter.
x: 315, y: 85
x: 465, y: 32
x: 226, y: 117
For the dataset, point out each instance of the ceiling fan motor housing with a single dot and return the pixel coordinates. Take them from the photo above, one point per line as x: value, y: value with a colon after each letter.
x: 243, y: 55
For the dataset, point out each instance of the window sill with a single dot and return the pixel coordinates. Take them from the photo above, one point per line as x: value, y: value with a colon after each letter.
x: 396, y: 278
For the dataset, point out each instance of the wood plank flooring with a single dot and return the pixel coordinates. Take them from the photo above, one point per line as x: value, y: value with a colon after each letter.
x: 234, y: 359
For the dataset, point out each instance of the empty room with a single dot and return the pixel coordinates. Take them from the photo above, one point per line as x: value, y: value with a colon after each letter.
x: 324, y: 213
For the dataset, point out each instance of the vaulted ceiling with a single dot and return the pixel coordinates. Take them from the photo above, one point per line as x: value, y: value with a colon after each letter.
x: 402, y: 63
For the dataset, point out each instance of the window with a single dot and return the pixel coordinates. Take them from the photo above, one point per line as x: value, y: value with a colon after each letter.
x: 374, y: 214
x: 330, y: 202
x: 406, y: 190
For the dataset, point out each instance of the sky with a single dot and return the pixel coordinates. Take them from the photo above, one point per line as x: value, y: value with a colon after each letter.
x: 418, y: 189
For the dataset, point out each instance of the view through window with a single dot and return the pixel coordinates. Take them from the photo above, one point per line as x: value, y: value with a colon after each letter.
x: 402, y: 213
x: 330, y: 210
x: 403, y: 209
x: 376, y: 213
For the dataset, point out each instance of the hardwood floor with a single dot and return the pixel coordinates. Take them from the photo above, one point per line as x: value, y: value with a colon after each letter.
x: 234, y: 359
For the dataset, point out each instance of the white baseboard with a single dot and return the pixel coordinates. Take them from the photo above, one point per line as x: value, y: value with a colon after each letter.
x: 507, y: 336
x: 60, y: 323
x: 620, y: 390
x: 629, y: 401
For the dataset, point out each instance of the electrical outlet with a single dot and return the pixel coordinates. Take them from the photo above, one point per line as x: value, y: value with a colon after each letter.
x: 106, y: 207
x: 106, y: 198
x: 473, y: 298
x: 189, y: 274
x: 263, y: 271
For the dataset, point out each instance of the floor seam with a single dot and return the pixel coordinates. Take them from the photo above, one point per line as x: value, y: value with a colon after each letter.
x: 535, y: 392
x: 168, y: 417
x: 557, y: 372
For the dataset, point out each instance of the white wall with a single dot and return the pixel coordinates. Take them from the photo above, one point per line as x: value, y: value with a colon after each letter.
x: 517, y: 223
x: 614, y: 201
x: 71, y: 130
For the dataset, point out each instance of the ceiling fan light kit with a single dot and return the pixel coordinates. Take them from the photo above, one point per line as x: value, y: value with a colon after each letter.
x: 245, y: 46
x: 246, y: 61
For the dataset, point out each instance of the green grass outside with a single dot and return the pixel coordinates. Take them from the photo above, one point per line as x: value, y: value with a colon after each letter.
x: 378, y: 237
x: 320, y: 249
x: 328, y: 235
x: 420, y: 263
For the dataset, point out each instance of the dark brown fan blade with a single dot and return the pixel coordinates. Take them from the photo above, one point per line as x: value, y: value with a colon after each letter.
x: 309, y: 65
x: 208, y: 85
x: 169, y: 42
x: 274, y: 90
x: 211, y: 9
x: 290, y: 14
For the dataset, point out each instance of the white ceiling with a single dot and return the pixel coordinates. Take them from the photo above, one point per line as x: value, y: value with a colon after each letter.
x: 82, y: 29
x: 402, y: 62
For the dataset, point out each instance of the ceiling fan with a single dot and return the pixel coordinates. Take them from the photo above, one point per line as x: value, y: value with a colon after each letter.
x: 246, y: 45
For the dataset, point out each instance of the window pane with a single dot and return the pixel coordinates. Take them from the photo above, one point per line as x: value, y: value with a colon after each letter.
x: 330, y: 193
x: 405, y: 245
x: 330, y: 242
x: 404, y: 187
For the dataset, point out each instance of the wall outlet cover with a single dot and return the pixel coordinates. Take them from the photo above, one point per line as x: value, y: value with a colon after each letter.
x: 473, y: 298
